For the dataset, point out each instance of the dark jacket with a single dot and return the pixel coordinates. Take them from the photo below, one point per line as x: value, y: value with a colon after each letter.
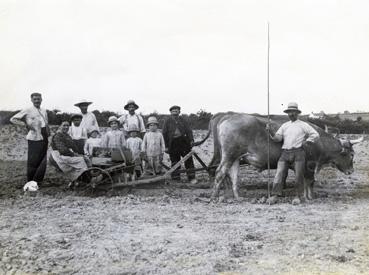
x: 63, y: 143
x: 170, y: 126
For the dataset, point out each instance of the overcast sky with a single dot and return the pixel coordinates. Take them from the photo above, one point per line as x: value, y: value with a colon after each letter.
x: 208, y: 54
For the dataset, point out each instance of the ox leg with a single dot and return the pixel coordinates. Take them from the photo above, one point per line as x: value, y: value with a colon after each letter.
x: 310, y: 172
x: 233, y: 173
x: 299, y: 175
x: 284, y: 179
x: 308, y: 188
x: 220, y: 175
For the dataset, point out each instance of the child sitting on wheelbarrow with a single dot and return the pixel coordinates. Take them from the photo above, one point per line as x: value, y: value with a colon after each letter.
x: 153, y: 148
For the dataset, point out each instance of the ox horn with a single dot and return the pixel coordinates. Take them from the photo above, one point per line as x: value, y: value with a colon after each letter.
x: 326, y: 129
x: 354, y: 141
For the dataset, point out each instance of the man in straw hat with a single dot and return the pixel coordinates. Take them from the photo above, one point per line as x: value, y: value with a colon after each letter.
x: 89, y: 121
x: 178, y: 141
x: 132, y: 118
x: 36, y: 121
x: 295, y: 135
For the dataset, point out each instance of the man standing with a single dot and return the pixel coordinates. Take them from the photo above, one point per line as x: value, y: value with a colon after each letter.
x: 132, y: 119
x: 36, y: 121
x: 89, y: 121
x: 178, y: 141
x: 296, y: 135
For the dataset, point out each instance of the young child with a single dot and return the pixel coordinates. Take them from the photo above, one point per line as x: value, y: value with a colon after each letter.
x: 134, y: 143
x: 78, y: 133
x: 92, y: 142
x: 115, y: 137
x: 153, y: 147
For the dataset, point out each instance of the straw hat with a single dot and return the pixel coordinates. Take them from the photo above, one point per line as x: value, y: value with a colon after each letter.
x: 90, y: 131
x: 30, y: 186
x: 292, y: 107
x: 113, y: 118
x: 133, y: 128
x: 82, y: 101
x: 131, y: 102
x: 152, y: 120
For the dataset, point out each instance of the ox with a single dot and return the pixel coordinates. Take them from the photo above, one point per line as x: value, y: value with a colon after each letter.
x: 242, y: 136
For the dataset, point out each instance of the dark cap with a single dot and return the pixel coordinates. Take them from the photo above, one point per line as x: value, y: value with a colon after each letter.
x: 73, y: 116
x: 174, y: 107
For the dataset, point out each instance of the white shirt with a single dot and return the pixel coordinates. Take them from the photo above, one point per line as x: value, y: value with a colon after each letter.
x: 114, y: 139
x: 77, y: 132
x: 135, y: 119
x: 89, y: 122
x: 90, y: 144
x: 153, y: 144
x: 35, y: 119
x: 134, y: 144
x: 294, y: 133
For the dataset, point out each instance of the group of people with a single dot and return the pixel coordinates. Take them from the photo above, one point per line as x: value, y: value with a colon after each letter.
x: 73, y: 145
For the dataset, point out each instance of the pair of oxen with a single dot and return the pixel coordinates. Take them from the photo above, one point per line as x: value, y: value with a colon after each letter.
x: 239, y: 136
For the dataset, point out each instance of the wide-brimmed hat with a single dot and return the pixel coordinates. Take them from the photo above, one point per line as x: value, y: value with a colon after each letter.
x: 113, y: 118
x: 174, y: 107
x: 292, y: 107
x: 133, y: 128
x: 82, y: 101
x: 30, y: 186
x: 73, y: 116
x: 130, y: 102
x: 90, y: 131
x: 152, y: 120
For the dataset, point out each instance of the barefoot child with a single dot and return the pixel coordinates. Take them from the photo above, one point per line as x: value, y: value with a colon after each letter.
x: 134, y: 143
x: 153, y: 147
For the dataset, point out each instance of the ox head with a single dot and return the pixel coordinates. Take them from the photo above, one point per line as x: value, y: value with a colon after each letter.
x: 343, y: 160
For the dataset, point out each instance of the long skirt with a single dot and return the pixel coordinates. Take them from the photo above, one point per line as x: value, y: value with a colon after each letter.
x: 72, y: 167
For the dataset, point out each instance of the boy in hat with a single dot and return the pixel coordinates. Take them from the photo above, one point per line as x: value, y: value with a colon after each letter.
x: 295, y: 135
x: 178, y: 141
x: 115, y: 137
x: 78, y: 133
x: 134, y: 143
x: 89, y: 121
x: 93, y: 141
x: 153, y: 147
x: 132, y: 118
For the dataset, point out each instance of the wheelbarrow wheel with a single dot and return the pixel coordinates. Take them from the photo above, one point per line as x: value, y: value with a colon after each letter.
x: 99, y: 177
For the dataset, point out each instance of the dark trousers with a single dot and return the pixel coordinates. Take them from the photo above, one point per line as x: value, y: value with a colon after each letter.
x: 37, y: 160
x: 179, y: 148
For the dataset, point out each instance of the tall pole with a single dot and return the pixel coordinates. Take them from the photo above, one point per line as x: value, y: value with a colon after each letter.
x: 268, y: 114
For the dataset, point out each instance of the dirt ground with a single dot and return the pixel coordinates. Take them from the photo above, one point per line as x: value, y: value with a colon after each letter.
x: 173, y: 229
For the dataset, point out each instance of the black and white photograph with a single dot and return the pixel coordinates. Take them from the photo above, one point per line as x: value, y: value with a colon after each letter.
x: 184, y: 137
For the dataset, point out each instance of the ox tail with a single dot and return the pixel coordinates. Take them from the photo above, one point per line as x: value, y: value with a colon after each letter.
x: 198, y: 143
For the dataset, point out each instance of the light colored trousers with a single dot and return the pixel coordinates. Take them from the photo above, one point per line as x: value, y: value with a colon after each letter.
x: 295, y: 159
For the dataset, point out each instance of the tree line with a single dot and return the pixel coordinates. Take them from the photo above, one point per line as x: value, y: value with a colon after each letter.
x: 200, y: 120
